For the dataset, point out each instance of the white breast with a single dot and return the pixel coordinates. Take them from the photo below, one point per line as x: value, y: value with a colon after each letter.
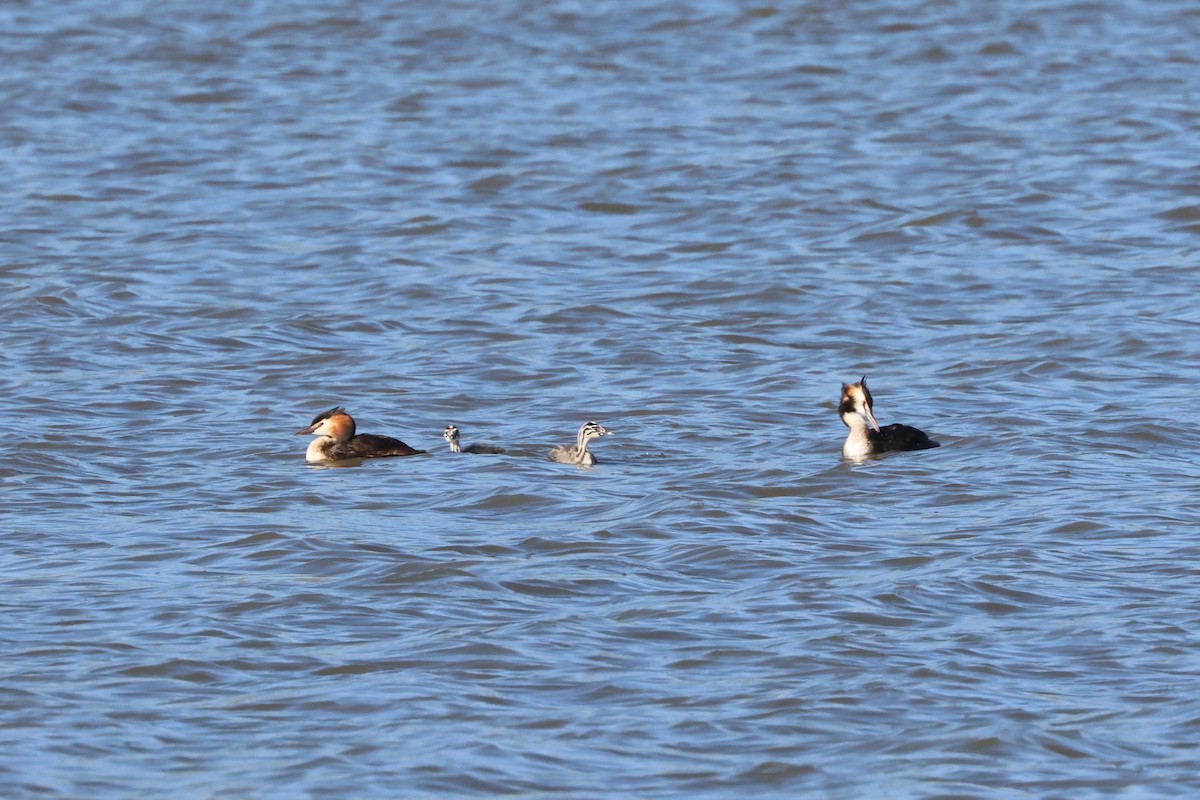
x: 316, y: 449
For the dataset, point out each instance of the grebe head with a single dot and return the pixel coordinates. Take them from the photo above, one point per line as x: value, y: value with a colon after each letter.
x: 856, y: 399
x: 591, y: 430
x: 334, y: 423
x: 451, y: 433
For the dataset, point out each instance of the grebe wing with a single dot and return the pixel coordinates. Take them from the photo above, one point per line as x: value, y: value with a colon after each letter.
x: 369, y: 445
x: 901, y: 437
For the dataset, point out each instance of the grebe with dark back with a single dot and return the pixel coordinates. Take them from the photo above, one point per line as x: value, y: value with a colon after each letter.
x: 866, y: 437
x: 451, y: 436
x: 336, y: 441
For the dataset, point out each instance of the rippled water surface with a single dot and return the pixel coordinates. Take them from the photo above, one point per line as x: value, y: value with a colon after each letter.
x: 690, y: 220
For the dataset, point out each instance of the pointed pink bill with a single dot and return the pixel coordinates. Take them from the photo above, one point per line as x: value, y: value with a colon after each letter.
x: 866, y: 412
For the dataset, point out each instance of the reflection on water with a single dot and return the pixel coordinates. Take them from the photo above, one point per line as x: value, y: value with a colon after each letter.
x: 690, y: 220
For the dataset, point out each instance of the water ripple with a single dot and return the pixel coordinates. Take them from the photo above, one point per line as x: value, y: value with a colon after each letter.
x: 691, y: 221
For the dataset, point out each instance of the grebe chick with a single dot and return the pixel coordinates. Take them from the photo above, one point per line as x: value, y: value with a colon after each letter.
x: 865, y: 435
x: 451, y: 436
x: 578, y: 453
x: 336, y: 441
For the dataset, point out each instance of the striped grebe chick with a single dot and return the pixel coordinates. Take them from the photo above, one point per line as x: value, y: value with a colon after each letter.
x: 451, y: 436
x: 336, y: 441
x: 865, y: 435
x: 578, y: 453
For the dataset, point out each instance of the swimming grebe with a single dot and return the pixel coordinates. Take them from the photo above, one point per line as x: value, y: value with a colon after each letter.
x: 578, y: 453
x: 336, y: 440
x: 451, y: 436
x: 866, y: 436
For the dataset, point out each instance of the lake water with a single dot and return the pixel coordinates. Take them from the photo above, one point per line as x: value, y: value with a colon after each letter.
x: 691, y: 220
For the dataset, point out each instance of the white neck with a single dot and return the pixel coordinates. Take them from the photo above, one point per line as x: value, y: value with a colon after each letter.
x: 316, y: 448
x: 857, y: 443
x: 455, y: 447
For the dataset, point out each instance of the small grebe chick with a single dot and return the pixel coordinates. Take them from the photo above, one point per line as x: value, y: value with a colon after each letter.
x: 336, y: 441
x: 578, y: 453
x: 865, y: 435
x: 451, y: 436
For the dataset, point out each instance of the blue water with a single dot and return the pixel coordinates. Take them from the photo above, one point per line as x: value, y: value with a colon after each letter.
x: 691, y: 221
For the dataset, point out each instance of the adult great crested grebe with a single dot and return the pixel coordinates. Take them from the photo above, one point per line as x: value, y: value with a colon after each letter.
x: 336, y: 441
x: 866, y: 437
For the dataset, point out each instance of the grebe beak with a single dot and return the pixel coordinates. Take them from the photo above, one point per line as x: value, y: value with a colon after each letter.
x: 309, y: 429
x: 866, y: 412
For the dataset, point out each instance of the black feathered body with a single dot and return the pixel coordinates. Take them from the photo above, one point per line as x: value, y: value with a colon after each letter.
x: 369, y: 445
x: 899, y: 437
